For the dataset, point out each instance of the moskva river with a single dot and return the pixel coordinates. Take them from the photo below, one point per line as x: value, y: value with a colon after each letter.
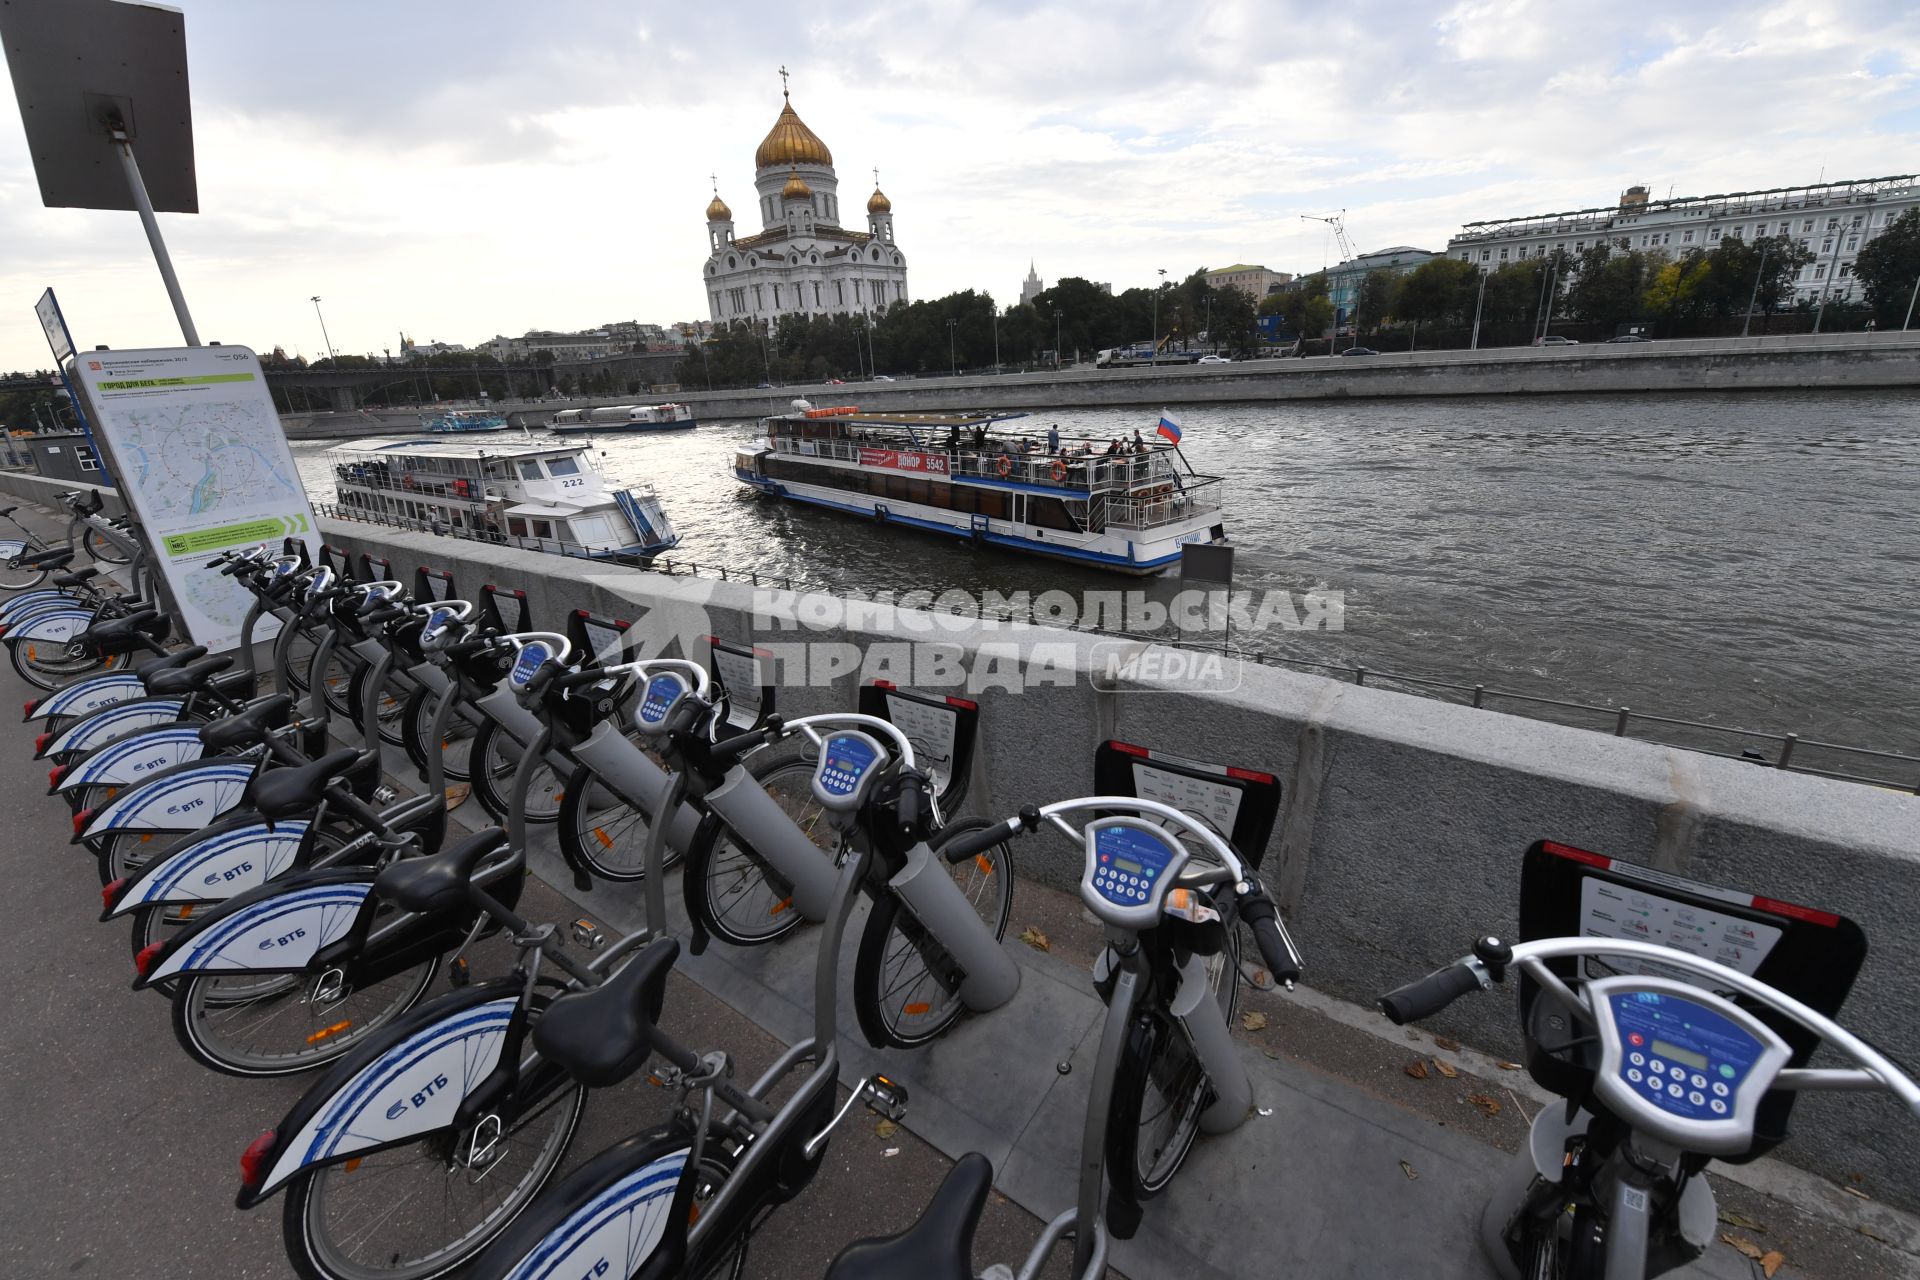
x: 1749, y: 560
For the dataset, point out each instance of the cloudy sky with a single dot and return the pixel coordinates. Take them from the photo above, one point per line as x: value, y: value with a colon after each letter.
x: 461, y: 168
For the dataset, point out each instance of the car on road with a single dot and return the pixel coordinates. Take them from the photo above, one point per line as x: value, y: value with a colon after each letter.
x: 881, y: 377
x: 1359, y: 351
x: 1630, y: 337
x: 1555, y: 340
x: 763, y: 386
x: 1214, y: 360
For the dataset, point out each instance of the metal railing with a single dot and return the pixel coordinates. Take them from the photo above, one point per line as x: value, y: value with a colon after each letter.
x: 1791, y: 751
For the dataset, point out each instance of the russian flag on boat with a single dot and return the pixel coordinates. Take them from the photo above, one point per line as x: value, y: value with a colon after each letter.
x: 1168, y: 427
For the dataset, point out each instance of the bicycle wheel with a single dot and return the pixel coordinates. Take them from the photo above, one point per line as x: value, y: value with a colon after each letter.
x: 456, y: 744
x: 300, y: 656
x: 730, y: 889
x: 1162, y: 1088
x: 18, y: 577
x: 604, y: 833
x: 906, y: 988
x: 492, y: 758
x: 53, y: 664
x: 103, y: 548
x: 337, y: 683
x: 393, y: 703
x: 425, y: 1209
x: 262, y: 1025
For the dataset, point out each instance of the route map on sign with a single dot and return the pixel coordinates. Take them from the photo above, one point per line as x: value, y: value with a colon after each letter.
x: 201, y: 460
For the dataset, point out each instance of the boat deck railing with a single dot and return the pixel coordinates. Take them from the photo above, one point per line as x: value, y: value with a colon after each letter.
x: 525, y: 542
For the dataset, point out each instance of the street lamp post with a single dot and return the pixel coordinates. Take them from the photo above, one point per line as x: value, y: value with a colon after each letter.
x: 1832, y: 268
x: 1754, y: 297
x: 996, y: 340
x: 1477, y: 302
x: 953, y: 360
x: 323, y: 330
x: 1056, y: 337
x: 1156, y: 313
x: 1913, y: 298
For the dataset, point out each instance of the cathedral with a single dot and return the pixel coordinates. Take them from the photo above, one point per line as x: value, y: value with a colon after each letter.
x: 801, y: 261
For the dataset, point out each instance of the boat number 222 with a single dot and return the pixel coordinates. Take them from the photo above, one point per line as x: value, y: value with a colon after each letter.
x: 571, y: 484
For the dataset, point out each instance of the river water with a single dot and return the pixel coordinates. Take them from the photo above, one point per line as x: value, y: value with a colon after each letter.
x: 1744, y: 559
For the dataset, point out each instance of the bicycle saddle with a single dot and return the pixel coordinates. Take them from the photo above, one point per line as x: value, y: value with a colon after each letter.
x: 244, y: 728
x: 172, y: 661
x: 439, y: 882
x: 52, y: 559
x: 604, y: 1035
x: 938, y: 1246
x: 78, y: 576
x: 193, y: 676
x: 288, y: 793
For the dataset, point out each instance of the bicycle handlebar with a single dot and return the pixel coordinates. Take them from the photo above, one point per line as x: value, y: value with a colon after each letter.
x: 1427, y: 996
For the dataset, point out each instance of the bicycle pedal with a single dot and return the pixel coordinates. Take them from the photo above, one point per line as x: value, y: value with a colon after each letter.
x: 588, y: 935
x: 886, y: 1098
x: 457, y: 972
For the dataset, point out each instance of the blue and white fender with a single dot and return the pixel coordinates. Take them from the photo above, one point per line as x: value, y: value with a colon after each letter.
x: 215, y: 868
x: 50, y: 626
x: 413, y: 1086
x: 613, y: 1234
x: 277, y: 933
x: 184, y: 801
x: 104, y: 732
x: 89, y: 695
x: 11, y: 547
x: 19, y: 606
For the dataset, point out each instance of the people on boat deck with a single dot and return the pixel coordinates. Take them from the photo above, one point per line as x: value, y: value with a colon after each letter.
x: 1139, y: 445
x: 1113, y: 447
x: 1053, y: 438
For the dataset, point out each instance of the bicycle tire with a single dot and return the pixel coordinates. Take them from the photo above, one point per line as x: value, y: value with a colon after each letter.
x: 604, y: 833
x: 194, y: 995
x: 1159, y: 1076
x: 55, y: 674
x: 337, y: 684
x: 490, y: 771
x: 102, y: 548
x: 728, y: 888
x: 388, y: 718
x: 21, y: 577
x: 300, y: 656
x: 894, y: 1007
x: 456, y: 748
x: 303, y: 1202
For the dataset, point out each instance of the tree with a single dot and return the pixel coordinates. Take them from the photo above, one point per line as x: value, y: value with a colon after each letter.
x: 1304, y: 305
x: 1680, y: 289
x: 1438, y: 290
x: 1888, y: 266
x: 1373, y: 299
x: 1609, y: 283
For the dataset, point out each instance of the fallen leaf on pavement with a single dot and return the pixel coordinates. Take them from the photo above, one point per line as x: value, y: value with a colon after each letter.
x: 1444, y: 1069
x: 1035, y: 939
x: 1855, y: 1191
x: 1745, y: 1246
x: 1417, y: 1069
x: 1408, y: 1170
x: 1772, y: 1262
x: 1509, y: 1066
x: 1489, y: 1107
x: 1742, y: 1220
x: 1449, y: 1045
x: 1253, y: 1021
x: 885, y: 1129
x: 457, y: 795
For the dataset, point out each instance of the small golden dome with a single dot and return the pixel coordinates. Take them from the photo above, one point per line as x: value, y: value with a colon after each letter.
x: 791, y: 142
x: 796, y: 188
x: 717, y: 211
x: 878, y: 202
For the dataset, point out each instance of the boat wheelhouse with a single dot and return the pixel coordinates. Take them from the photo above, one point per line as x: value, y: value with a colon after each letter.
x: 547, y: 497
x: 460, y: 422
x: 964, y: 475
x: 613, y: 419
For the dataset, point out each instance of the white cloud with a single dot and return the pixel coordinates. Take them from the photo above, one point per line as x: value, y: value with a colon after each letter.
x: 485, y: 167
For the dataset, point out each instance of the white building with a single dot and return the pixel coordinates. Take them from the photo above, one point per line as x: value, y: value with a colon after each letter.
x: 1030, y: 288
x: 802, y: 261
x: 595, y: 344
x: 1833, y: 219
x: 1255, y: 281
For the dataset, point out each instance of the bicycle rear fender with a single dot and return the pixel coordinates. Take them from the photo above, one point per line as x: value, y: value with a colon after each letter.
x: 11, y: 547
x: 132, y: 759
x: 278, y: 928
x: 88, y: 695
x: 407, y: 1081
x: 621, y: 1214
x: 185, y: 797
x: 52, y: 626
x: 112, y: 721
x: 213, y: 868
x: 31, y: 601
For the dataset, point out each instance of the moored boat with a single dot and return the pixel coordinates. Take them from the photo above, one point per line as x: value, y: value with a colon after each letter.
x: 614, y: 419
x: 460, y: 422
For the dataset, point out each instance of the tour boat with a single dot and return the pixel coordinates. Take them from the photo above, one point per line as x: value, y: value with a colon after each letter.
x: 460, y: 422
x: 613, y: 419
x: 960, y: 474
x: 546, y: 497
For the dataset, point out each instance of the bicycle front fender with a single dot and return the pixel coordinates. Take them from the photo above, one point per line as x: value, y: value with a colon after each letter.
x: 83, y: 696
x: 621, y: 1214
x: 132, y: 759
x: 113, y: 721
x: 277, y: 928
x: 50, y: 626
x: 213, y: 868
x: 186, y: 797
x: 404, y: 1083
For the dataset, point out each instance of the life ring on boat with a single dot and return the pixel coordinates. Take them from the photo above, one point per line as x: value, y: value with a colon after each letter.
x: 1004, y: 467
x: 461, y: 488
x: 1058, y: 471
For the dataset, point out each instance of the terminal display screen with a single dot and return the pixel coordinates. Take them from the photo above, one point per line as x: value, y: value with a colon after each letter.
x: 1698, y: 1061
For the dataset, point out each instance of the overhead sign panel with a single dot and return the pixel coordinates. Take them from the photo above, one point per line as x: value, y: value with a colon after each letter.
x: 79, y: 65
x: 201, y: 460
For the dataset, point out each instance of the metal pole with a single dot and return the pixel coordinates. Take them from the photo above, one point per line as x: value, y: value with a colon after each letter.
x: 331, y: 353
x: 1056, y: 335
x: 953, y: 361
x: 1833, y: 262
x: 1755, y: 295
x: 996, y: 340
x: 1476, y: 312
x: 138, y: 187
x: 1910, y: 302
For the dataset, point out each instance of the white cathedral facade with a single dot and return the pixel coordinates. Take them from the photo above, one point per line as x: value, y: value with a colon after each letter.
x: 802, y: 261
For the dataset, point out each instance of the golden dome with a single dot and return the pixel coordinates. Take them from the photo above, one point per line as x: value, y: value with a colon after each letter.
x: 718, y: 211
x: 796, y: 188
x: 790, y: 142
x: 878, y: 202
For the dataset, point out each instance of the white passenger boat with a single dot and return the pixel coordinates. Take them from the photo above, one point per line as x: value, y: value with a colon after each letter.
x: 613, y: 419
x: 964, y: 475
x: 546, y: 497
x: 460, y: 422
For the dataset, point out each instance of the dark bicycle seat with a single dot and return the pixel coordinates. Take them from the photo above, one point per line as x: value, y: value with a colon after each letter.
x: 604, y: 1035
x: 172, y: 661
x: 51, y: 559
x: 191, y: 678
x: 439, y: 882
x: 291, y: 792
x: 78, y: 576
x: 939, y: 1245
x: 245, y: 728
